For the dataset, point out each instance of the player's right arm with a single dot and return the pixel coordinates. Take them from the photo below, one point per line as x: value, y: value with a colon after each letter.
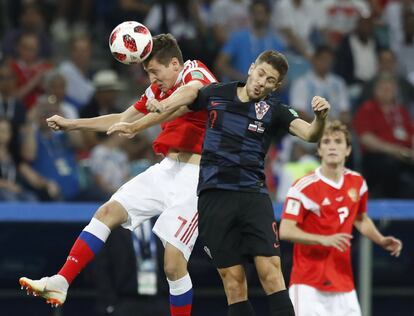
x: 96, y: 124
x: 290, y: 231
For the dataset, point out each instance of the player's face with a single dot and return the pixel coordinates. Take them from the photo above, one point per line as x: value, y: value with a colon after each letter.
x: 333, y: 148
x: 262, y: 80
x: 163, y: 76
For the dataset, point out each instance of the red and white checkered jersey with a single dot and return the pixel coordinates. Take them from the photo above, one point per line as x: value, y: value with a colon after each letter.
x: 322, y: 206
x: 185, y: 133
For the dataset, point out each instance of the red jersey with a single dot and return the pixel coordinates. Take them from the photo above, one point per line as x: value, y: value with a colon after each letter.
x: 321, y: 206
x: 394, y: 127
x: 185, y: 133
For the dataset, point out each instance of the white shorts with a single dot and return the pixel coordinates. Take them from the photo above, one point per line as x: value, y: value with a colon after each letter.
x: 167, y: 189
x: 308, y: 301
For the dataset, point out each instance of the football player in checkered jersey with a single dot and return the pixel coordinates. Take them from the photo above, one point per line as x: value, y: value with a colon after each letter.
x: 236, y: 217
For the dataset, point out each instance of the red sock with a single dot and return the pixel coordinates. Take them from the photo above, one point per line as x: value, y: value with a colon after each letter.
x: 88, y: 244
x: 80, y: 255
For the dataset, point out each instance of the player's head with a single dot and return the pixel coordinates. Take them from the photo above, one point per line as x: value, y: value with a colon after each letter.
x: 165, y: 62
x: 335, y: 144
x: 266, y: 74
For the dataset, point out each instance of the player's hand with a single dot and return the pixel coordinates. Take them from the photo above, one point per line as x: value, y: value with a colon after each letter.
x: 392, y: 244
x: 123, y: 129
x: 340, y: 241
x: 57, y: 122
x: 320, y: 107
x: 154, y: 106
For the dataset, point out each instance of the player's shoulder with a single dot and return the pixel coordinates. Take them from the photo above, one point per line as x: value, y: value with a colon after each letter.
x: 306, y: 181
x: 221, y: 90
x: 354, y: 175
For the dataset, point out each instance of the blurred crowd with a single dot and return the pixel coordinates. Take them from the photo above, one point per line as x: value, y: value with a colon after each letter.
x: 54, y: 59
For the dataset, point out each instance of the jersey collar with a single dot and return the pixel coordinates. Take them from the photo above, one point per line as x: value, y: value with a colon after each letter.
x: 336, y: 185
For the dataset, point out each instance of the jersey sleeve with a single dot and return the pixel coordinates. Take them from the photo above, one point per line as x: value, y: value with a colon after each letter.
x: 284, y: 116
x: 196, y: 70
x: 293, y: 207
x: 140, y: 105
x: 363, y: 198
x: 202, y: 99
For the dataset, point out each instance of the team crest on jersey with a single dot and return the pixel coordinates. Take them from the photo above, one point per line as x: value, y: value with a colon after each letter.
x: 261, y: 108
x: 353, y: 194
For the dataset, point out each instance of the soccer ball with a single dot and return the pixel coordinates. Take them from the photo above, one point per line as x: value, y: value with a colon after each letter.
x: 130, y: 42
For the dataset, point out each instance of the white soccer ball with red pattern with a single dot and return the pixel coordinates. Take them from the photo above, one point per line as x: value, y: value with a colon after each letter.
x: 130, y: 42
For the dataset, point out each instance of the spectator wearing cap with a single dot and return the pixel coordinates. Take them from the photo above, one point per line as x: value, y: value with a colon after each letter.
x: 107, y: 86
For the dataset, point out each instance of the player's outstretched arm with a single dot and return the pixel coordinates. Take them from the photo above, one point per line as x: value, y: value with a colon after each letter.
x: 312, y: 132
x: 183, y: 96
x: 290, y: 231
x: 129, y: 130
x: 97, y: 124
x: 366, y: 227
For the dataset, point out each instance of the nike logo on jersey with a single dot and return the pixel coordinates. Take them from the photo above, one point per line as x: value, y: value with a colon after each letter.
x: 214, y: 103
x: 339, y: 198
x: 326, y: 201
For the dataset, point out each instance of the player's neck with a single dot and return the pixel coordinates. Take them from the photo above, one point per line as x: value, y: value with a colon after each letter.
x: 332, y: 172
x: 242, y: 94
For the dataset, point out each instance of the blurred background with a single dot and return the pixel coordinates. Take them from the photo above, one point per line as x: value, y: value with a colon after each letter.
x: 55, y: 59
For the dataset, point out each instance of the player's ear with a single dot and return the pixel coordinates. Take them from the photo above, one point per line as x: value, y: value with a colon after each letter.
x: 250, y: 69
x: 175, y: 64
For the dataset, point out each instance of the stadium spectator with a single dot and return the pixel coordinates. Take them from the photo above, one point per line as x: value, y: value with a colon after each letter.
x: 55, y: 87
x: 243, y: 46
x: 127, y: 274
x: 320, y: 80
x: 11, y: 188
x: 319, y: 214
x: 31, y: 20
x: 338, y: 18
x: 77, y: 71
x: 356, y: 57
x: 107, y: 86
x: 298, y: 21
x: 388, y: 65
x: 182, y: 19
x: 109, y: 164
x: 228, y: 16
x: 52, y: 166
x: 405, y: 48
x: 386, y: 134
x: 11, y: 108
x: 29, y: 68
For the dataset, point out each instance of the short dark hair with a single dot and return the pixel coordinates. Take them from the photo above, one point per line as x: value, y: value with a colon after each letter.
x: 337, y: 126
x: 277, y: 60
x: 265, y: 3
x: 322, y: 49
x: 164, y: 48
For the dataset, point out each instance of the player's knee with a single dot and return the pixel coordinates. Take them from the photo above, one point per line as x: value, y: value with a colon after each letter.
x: 235, y: 285
x: 175, y: 264
x: 111, y: 214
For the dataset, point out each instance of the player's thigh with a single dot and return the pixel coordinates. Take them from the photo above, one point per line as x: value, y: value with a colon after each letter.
x: 259, y: 229
x: 346, y: 304
x: 178, y: 224
x: 308, y: 301
x: 143, y: 196
x: 219, y: 229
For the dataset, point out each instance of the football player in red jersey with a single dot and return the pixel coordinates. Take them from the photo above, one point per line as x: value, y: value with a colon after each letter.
x: 167, y: 189
x: 319, y: 214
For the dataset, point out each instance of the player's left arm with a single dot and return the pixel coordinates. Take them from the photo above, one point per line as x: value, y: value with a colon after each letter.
x: 129, y: 130
x: 183, y: 96
x: 312, y: 132
x: 366, y: 227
